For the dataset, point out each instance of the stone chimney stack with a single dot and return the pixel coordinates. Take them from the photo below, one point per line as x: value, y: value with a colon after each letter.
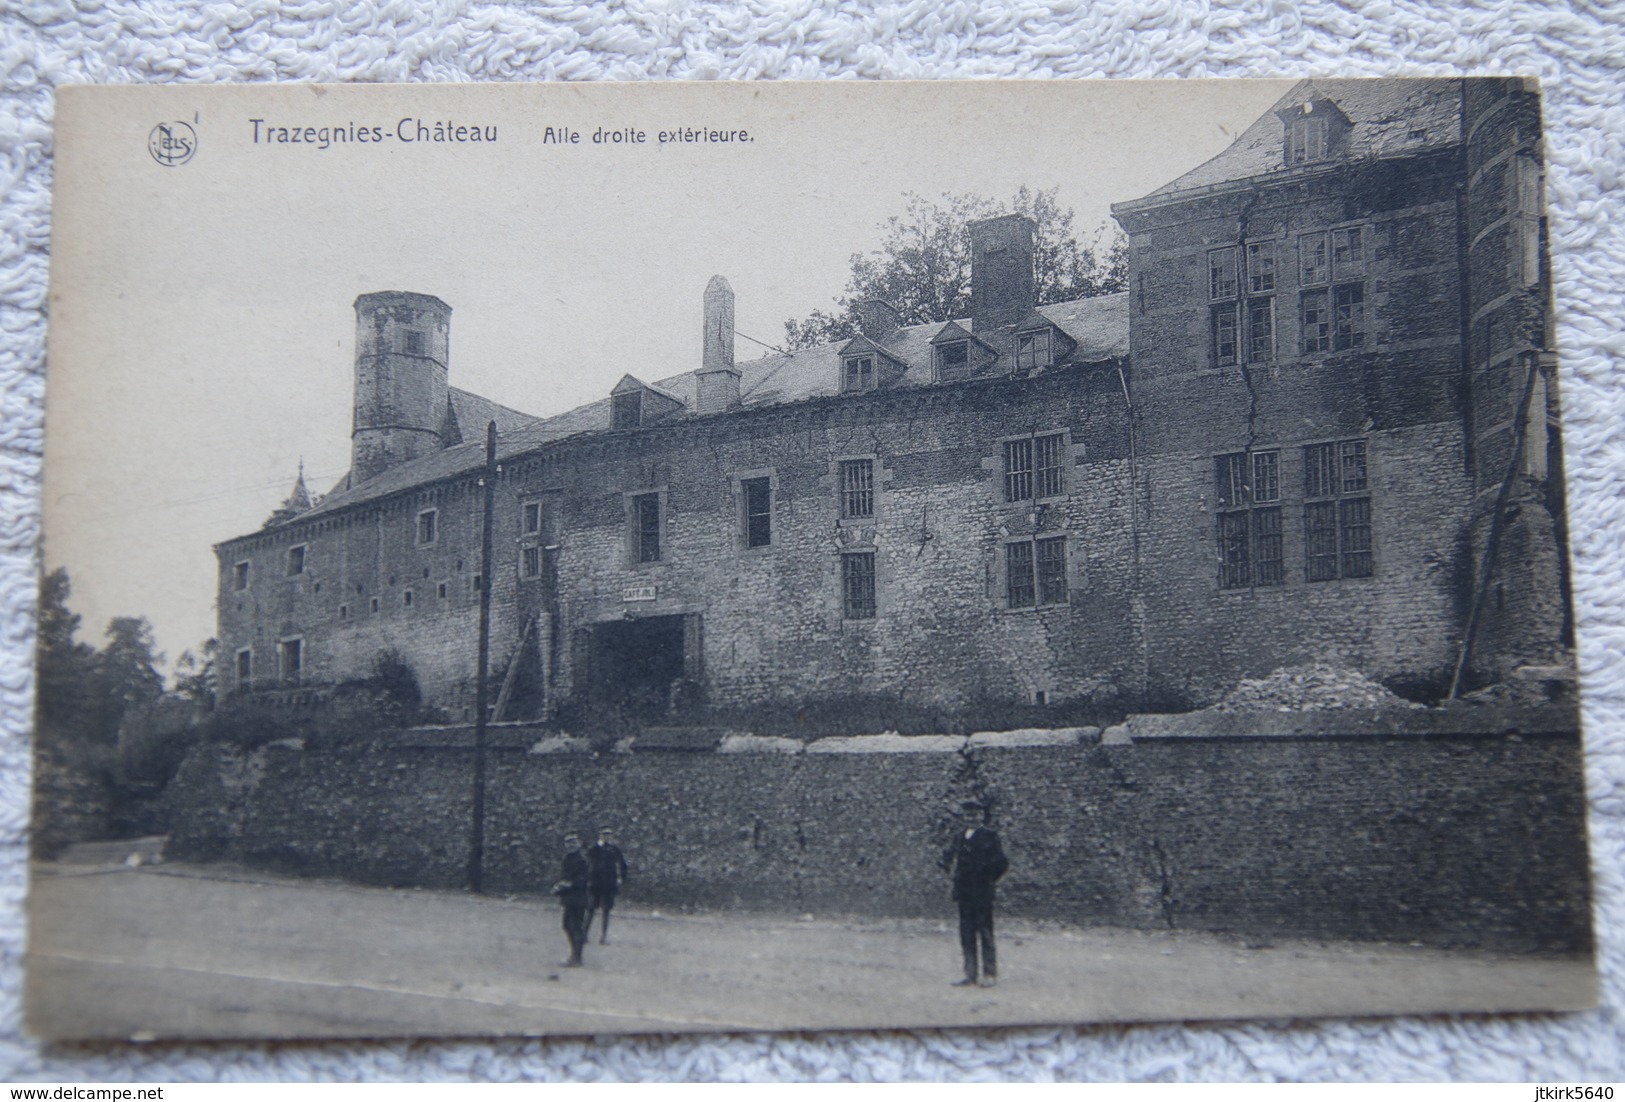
x: 718, y: 378
x: 1001, y: 272
x: 877, y: 318
x: 402, y: 344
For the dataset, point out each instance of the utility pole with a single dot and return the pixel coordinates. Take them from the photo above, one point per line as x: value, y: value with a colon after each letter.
x: 476, y: 850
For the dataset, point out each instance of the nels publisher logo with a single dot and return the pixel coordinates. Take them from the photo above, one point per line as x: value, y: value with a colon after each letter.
x: 172, y: 143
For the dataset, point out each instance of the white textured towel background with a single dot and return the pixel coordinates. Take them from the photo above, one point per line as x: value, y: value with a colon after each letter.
x: 1577, y: 50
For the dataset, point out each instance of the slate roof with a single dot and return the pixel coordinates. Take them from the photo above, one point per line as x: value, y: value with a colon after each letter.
x: 1387, y: 118
x: 1098, y: 326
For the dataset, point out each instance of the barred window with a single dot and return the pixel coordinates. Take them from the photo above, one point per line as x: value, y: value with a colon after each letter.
x: 1035, y: 467
x: 1249, y: 533
x: 1035, y: 572
x: 1336, y: 512
x: 858, y: 585
x: 857, y: 489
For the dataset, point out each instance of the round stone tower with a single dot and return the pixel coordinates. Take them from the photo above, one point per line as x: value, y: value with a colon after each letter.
x: 401, y: 352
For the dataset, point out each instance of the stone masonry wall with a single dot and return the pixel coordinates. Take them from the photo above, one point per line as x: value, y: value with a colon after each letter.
x: 1453, y: 839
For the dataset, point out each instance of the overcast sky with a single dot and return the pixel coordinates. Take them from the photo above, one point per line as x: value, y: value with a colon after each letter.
x: 202, y: 327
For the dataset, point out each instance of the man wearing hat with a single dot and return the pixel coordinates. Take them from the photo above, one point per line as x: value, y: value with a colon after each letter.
x: 977, y: 861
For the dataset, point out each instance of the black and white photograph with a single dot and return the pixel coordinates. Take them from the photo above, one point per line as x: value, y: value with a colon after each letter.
x: 598, y: 559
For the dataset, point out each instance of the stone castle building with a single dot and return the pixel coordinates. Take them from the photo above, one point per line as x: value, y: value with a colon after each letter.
x: 1320, y: 425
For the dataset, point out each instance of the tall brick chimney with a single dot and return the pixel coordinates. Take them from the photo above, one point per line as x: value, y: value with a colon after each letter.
x: 718, y: 378
x: 877, y: 318
x: 1001, y: 271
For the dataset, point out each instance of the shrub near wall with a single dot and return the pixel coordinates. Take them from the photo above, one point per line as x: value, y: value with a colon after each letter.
x: 1455, y: 840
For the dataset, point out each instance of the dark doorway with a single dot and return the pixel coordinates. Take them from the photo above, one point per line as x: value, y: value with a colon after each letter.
x: 636, y: 663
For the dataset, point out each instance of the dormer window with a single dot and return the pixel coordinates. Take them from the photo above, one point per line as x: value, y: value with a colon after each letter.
x: 1307, y: 139
x: 953, y: 361
x: 858, y: 374
x: 1033, y: 350
x: 626, y: 410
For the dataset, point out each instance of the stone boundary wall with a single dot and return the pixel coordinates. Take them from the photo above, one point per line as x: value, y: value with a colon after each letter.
x: 1452, y: 838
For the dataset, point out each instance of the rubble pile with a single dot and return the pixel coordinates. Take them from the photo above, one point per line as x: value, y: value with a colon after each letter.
x: 1314, y: 687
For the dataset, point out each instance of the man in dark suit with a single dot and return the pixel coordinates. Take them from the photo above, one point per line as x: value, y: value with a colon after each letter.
x: 572, y: 890
x: 609, y: 871
x: 976, y: 860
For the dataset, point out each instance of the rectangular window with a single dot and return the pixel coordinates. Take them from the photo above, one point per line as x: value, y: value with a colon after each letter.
x: 1337, y: 514
x: 758, y: 512
x: 953, y: 361
x: 373, y: 605
x: 414, y: 342
x: 1312, y: 258
x: 1049, y: 472
x: 1306, y: 141
x: 530, y: 562
x: 1018, y: 570
x: 239, y: 576
x: 1260, y: 329
x: 1224, y: 334
x: 1348, y: 321
x: 1221, y: 273
x: 344, y: 612
x: 646, y: 530
x: 292, y: 660
x: 857, y: 489
x: 858, y: 374
x: 858, y: 585
x: 440, y: 591
x: 296, y: 560
x: 426, y: 526
x: 245, y: 668
x: 1249, y: 533
x: 1033, y: 350
x: 1018, y: 470
x: 1035, y: 467
x: 1315, y: 322
x: 1348, y: 253
x: 531, y: 518
x: 1035, y: 572
x: 406, y: 598
x: 1051, y: 570
x: 1260, y: 267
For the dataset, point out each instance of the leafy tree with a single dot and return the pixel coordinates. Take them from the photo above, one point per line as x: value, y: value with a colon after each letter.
x: 923, y: 264
x: 197, y: 675
x: 128, y: 664
x: 66, y: 666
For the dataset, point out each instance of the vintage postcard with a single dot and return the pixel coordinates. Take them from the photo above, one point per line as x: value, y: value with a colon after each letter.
x: 582, y: 558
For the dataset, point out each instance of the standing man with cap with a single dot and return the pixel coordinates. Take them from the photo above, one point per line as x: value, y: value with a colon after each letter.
x: 572, y: 890
x: 976, y: 860
x: 608, y: 873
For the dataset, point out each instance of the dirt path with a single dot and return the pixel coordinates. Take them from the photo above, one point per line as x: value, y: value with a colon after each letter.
x: 178, y: 952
